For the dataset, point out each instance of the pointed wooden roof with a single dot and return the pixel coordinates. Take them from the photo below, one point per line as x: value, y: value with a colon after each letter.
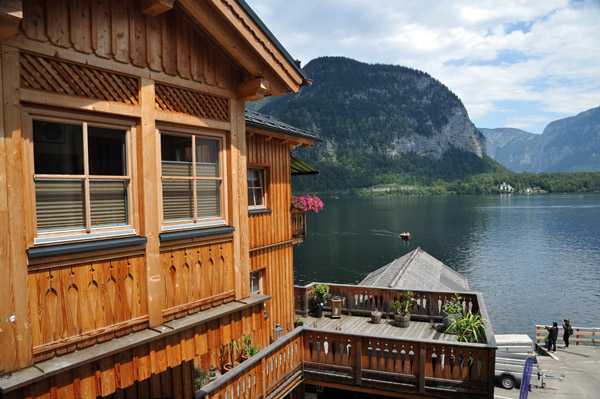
x: 417, y: 270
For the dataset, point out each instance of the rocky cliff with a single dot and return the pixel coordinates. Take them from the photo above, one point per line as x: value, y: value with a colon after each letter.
x: 566, y: 145
x: 384, y: 110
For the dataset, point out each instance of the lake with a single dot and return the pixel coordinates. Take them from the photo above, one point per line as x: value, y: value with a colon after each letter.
x: 536, y: 258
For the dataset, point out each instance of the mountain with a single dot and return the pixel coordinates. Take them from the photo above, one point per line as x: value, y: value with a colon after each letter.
x: 379, y: 122
x: 510, y: 147
x: 566, y: 145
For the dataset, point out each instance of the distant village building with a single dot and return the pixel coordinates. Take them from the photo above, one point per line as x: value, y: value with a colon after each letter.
x: 506, y: 187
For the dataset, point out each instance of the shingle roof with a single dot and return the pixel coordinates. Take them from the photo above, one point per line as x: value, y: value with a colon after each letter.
x: 261, y: 121
x: 417, y: 270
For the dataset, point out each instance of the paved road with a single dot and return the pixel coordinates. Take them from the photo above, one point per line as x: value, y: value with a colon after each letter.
x: 581, y: 366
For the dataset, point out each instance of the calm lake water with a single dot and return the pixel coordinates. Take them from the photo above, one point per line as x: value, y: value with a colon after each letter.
x: 535, y: 258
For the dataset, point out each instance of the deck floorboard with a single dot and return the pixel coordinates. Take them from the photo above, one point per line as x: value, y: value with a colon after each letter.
x: 362, y: 325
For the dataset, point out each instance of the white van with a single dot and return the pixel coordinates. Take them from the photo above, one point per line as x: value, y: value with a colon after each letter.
x: 513, y: 351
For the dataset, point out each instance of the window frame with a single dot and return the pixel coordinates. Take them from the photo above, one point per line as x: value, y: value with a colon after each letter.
x: 264, y: 175
x: 85, y: 120
x: 195, y: 222
x: 260, y: 280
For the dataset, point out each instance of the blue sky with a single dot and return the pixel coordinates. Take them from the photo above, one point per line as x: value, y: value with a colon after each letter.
x: 513, y: 63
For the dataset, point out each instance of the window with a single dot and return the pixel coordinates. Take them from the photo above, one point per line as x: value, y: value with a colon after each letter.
x: 81, y: 176
x: 256, y: 282
x: 256, y: 188
x: 192, y: 183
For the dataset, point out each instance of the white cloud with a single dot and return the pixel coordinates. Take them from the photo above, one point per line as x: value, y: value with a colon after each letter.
x: 488, y: 52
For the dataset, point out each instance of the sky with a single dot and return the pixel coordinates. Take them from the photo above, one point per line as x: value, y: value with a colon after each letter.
x: 519, y: 63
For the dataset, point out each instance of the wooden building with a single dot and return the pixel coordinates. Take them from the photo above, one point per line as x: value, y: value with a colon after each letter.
x: 146, y: 221
x: 143, y: 227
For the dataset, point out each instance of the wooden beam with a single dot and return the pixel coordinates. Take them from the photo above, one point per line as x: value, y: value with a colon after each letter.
x: 12, y: 222
x: 252, y: 90
x: 11, y: 14
x: 239, y: 200
x: 238, y: 45
x: 156, y: 7
x: 150, y: 170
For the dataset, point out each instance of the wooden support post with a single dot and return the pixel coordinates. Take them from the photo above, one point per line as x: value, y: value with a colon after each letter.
x: 238, y: 184
x: 422, y: 358
x: 150, y: 164
x: 359, y: 362
x: 16, y: 344
x: 305, y: 303
x: 263, y: 365
x: 491, y: 372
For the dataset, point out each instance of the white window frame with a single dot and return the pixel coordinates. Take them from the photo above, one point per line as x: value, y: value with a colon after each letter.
x: 84, y: 119
x: 264, y: 176
x: 196, y: 222
x: 260, y: 274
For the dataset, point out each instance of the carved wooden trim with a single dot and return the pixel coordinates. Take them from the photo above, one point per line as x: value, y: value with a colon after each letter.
x: 176, y: 99
x: 58, y: 76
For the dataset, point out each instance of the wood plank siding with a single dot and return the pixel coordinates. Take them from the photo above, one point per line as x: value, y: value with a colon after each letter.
x: 118, y: 31
x: 163, y: 367
x: 116, y: 281
x: 271, y: 249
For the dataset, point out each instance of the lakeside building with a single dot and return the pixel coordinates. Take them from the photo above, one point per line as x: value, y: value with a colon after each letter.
x: 147, y: 223
x: 506, y: 187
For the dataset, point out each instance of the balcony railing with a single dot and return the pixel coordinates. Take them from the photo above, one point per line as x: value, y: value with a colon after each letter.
x: 362, y: 300
x: 380, y: 364
x: 298, y: 225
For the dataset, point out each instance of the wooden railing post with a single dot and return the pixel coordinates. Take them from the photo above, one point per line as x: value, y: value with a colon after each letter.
x: 491, y: 374
x: 358, y: 362
x: 422, y: 357
x: 305, y: 302
x: 264, y: 377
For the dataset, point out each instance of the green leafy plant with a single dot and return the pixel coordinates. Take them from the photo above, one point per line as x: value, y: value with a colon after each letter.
x: 453, y: 305
x: 201, y: 378
x: 469, y: 328
x: 299, y: 321
x: 321, y: 294
x: 249, y: 350
x: 234, y: 345
x: 404, y: 306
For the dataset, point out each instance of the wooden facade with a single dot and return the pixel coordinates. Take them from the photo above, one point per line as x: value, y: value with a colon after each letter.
x: 131, y: 310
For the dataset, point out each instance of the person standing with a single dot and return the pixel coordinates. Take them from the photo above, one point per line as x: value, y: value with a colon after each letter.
x: 552, y: 336
x: 567, y: 332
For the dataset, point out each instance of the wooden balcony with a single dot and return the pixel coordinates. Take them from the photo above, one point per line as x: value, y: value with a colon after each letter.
x: 376, y: 364
x: 298, y: 225
x: 362, y: 300
x: 351, y: 353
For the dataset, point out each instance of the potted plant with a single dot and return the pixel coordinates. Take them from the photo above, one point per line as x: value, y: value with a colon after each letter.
x: 299, y: 321
x: 320, y: 297
x: 469, y: 328
x: 403, y: 309
x: 201, y: 378
x: 248, y: 350
x: 234, y: 345
x: 307, y: 203
x: 452, y: 310
x: 376, y: 316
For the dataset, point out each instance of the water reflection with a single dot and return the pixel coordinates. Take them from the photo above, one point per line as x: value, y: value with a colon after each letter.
x: 535, y: 258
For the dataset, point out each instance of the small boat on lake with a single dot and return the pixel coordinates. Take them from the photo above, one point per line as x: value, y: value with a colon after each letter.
x: 405, y: 235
